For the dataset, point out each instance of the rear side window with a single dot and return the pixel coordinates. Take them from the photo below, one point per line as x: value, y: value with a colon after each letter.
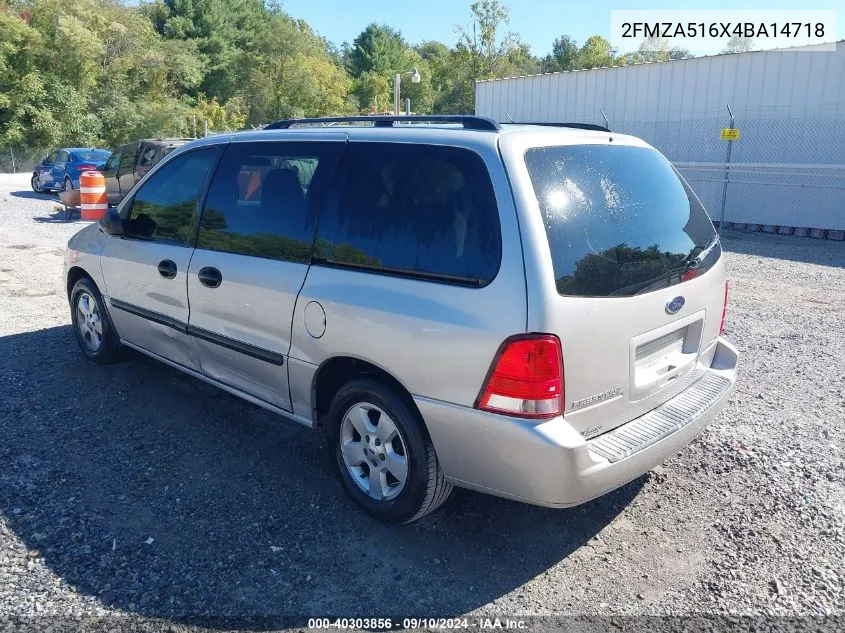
x: 163, y: 208
x: 148, y: 156
x: 422, y: 211
x: 619, y: 219
x: 263, y: 199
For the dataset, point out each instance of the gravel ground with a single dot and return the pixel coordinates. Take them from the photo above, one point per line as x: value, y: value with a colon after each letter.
x: 136, y: 494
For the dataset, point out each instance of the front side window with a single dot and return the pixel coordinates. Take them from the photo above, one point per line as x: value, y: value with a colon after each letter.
x: 619, y: 219
x: 418, y: 210
x: 51, y: 158
x: 127, y: 159
x: 262, y: 199
x: 163, y: 208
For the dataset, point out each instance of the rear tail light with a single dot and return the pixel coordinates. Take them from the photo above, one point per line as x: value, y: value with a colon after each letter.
x: 526, y: 379
x: 724, y: 309
x: 87, y: 168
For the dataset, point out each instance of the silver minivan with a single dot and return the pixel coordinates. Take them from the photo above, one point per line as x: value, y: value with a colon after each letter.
x: 530, y: 311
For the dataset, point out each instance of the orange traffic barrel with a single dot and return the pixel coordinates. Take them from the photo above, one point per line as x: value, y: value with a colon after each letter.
x: 92, y: 195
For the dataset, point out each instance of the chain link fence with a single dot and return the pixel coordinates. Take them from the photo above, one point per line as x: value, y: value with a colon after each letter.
x: 783, y: 175
x: 20, y: 159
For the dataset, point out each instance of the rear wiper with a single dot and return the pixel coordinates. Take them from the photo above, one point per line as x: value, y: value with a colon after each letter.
x: 691, y: 261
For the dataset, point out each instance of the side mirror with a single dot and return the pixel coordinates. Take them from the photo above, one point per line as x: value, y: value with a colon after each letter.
x: 111, y: 223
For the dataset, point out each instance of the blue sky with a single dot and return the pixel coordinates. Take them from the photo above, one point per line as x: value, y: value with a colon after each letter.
x: 538, y: 21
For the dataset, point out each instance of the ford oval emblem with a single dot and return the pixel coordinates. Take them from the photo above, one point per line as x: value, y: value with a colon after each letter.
x: 673, y: 306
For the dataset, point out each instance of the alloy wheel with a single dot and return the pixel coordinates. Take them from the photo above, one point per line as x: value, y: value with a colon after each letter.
x: 88, y: 322
x: 374, y: 451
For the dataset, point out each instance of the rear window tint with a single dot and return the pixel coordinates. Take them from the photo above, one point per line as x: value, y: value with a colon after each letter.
x: 91, y: 154
x: 619, y: 219
x: 424, y: 211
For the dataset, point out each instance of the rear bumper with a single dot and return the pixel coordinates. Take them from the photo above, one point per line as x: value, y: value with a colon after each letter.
x: 551, y: 464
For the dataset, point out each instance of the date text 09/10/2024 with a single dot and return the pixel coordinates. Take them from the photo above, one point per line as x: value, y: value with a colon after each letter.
x: 387, y: 624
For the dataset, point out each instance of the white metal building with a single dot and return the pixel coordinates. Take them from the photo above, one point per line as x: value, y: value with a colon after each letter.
x: 786, y: 170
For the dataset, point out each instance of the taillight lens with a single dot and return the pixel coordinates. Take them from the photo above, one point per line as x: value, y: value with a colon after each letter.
x: 87, y: 168
x: 526, y: 379
x: 724, y: 309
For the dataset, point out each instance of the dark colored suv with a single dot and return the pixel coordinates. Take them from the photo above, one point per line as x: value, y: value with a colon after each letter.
x: 128, y: 163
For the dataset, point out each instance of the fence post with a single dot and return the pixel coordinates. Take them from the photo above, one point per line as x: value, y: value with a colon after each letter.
x: 727, y: 169
x: 12, y: 153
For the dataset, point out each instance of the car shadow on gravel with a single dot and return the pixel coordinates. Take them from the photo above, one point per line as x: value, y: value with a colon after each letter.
x: 799, y: 249
x: 156, y: 493
x: 60, y: 217
x: 33, y: 195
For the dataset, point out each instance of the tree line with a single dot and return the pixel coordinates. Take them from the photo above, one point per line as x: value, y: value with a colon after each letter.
x: 103, y: 72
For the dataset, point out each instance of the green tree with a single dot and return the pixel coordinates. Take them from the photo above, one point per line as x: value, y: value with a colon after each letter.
x: 86, y: 72
x: 218, y: 30
x: 292, y: 73
x: 483, y: 52
x: 564, y: 55
x: 738, y: 44
x: 595, y: 53
x: 378, y: 48
x: 657, y: 49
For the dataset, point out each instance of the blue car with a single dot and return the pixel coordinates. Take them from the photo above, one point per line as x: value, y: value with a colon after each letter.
x: 61, y: 168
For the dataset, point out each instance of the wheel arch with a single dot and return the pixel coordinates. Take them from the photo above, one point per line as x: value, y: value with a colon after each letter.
x: 336, y: 371
x: 74, y: 274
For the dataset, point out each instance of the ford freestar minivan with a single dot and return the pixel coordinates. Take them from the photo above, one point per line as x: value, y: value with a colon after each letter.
x: 530, y: 311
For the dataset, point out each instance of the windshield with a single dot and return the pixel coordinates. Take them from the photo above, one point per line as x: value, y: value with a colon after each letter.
x: 98, y: 155
x: 619, y: 219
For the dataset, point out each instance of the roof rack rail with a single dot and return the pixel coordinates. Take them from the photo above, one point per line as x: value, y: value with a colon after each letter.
x: 580, y: 126
x: 468, y: 121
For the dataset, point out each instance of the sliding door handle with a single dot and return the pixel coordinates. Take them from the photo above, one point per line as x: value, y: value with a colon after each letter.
x: 167, y: 268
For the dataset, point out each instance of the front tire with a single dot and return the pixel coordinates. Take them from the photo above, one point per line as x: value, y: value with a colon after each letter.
x: 92, y: 327
x: 382, y: 455
x: 35, y: 183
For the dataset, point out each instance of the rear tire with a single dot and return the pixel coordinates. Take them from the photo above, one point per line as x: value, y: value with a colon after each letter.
x: 380, y: 451
x: 68, y: 184
x: 92, y: 326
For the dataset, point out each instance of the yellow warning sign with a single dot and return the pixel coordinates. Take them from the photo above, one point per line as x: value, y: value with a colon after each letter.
x: 729, y: 134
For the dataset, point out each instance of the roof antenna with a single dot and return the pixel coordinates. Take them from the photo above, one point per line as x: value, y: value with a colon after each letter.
x: 510, y: 118
x: 604, y: 116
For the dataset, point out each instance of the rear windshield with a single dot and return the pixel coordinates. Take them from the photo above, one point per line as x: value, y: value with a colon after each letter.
x: 619, y: 219
x: 92, y: 154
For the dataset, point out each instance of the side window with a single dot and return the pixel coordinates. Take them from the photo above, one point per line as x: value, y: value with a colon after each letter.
x: 263, y: 199
x: 63, y: 157
x: 51, y: 159
x: 112, y: 162
x: 127, y: 158
x: 163, y: 208
x: 421, y: 210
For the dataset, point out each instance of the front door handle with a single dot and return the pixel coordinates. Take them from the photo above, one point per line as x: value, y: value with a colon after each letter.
x: 167, y: 268
x: 210, y: 277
